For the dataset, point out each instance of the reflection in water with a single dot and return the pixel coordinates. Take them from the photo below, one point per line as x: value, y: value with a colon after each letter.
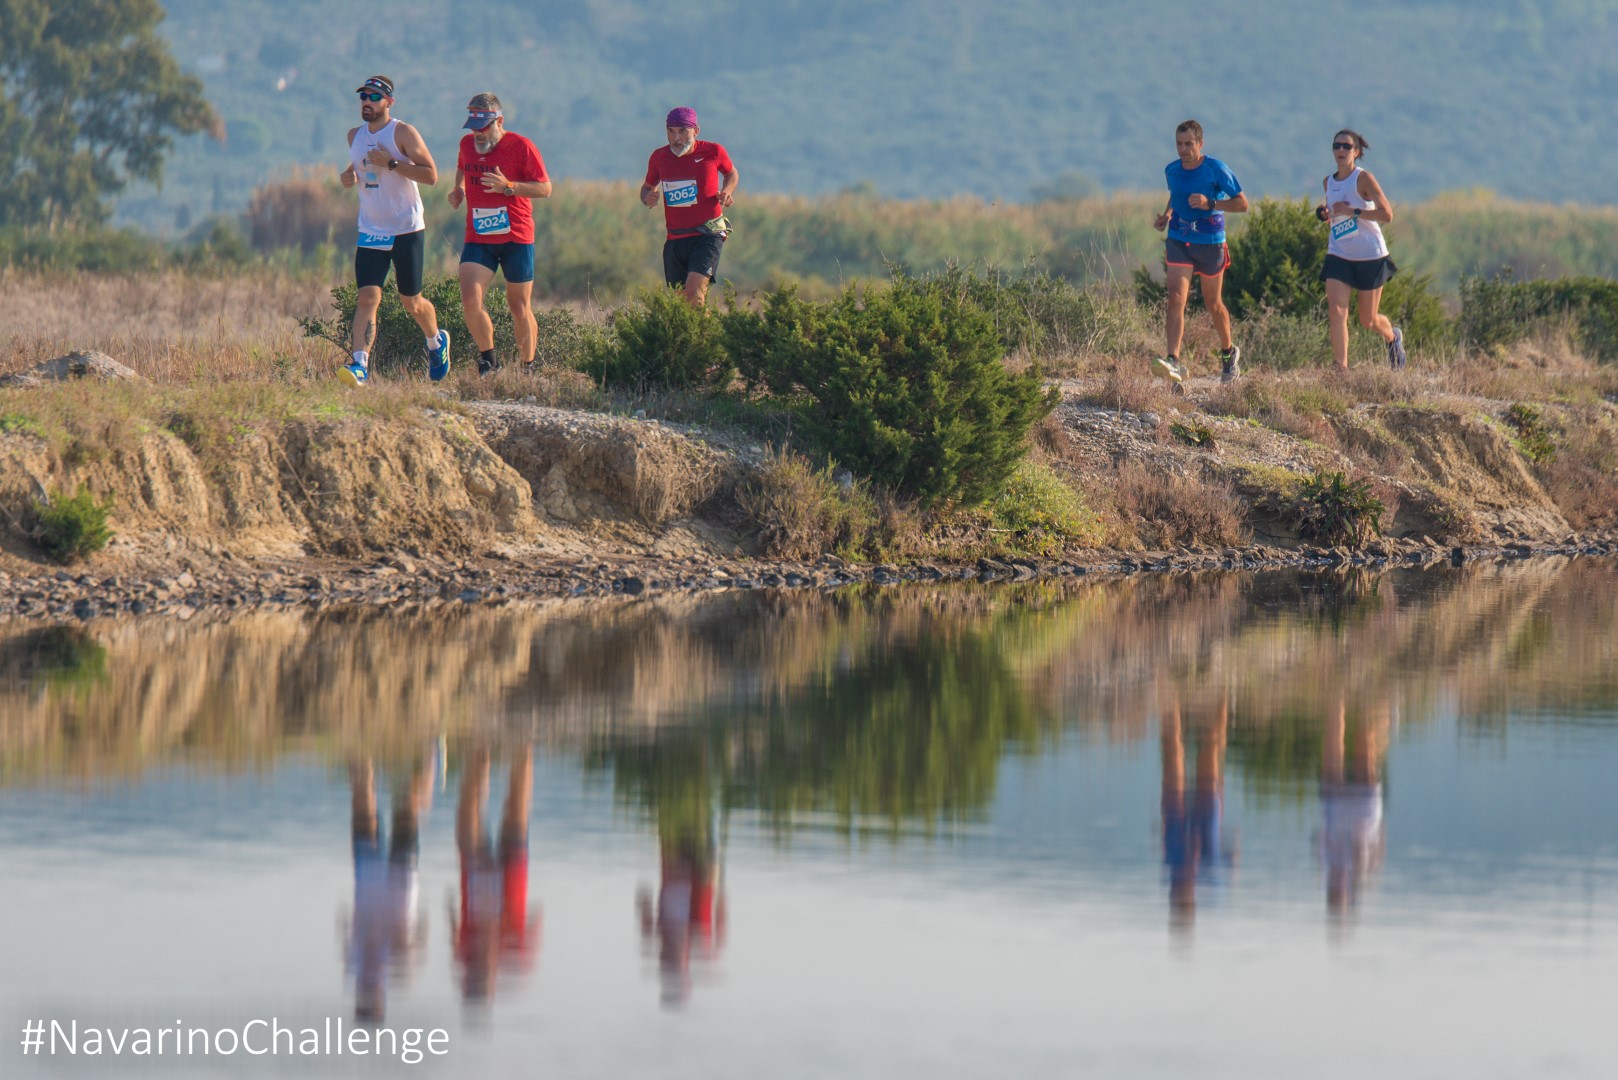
x: 386, y: 933
x: 688, y: 921
x: 923, y: 725
x: 1353, y: 834
x: 1194, y: 846
x: 494, y: 933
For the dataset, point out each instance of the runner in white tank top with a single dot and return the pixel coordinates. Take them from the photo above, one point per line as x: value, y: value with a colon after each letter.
x: 390, y: 204
x: 1357, y: 261
x: 387, y: 159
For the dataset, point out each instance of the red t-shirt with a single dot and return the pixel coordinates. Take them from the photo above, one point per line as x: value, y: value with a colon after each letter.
x: 690, y: 185
x: 492, y: 218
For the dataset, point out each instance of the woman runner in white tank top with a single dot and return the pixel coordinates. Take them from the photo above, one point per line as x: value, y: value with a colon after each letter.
x: 1357, y: 261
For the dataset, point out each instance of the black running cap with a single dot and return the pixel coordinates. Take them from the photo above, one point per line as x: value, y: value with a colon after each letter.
x: 379, y: 83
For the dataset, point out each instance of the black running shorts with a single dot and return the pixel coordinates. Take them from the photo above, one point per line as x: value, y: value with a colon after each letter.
x: 407, y: 256
x: 1363, y: 275
x: 691, y: 255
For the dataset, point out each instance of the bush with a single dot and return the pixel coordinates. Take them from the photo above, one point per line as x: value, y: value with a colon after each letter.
x: 1497, y: 311
x: 800, y: 511
x: 1041, y: 514
x: 70, y: 529
x: 660, y: 340
x: 905, y: 385
x: 399, y: 345
x: 1533, y: 438
x: 1275, y: 261
x: 1336, y: 510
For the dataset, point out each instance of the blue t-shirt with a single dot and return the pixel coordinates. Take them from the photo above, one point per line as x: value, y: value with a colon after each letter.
x: 1213, y: 179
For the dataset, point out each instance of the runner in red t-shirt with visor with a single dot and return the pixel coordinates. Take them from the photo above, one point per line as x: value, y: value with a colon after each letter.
x: 497, y: 175
x: 696, y: 183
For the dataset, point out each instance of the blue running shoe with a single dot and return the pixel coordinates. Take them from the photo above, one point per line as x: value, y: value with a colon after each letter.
x: 438, y: 358
x: 355, y: 374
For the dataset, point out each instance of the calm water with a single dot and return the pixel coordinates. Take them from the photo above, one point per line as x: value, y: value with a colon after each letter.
x: 1245, y: 826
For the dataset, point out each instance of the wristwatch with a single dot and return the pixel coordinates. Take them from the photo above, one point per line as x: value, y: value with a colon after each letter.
x: 393, y: 163
x: 1356, y: 211
x: 511, y: 191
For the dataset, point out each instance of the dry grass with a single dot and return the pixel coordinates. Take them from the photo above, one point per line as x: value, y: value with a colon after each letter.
x: 1166, y: 509
x: 1130, y: 387
x: 170, y: 327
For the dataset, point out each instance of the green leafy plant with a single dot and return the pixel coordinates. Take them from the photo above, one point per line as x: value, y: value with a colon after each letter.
x: 1533, y: 437
x: 660, y: 340
x: 1335, y: 510
x: 1193, y: 435
x: 71, y: 528
x: 905, y: 385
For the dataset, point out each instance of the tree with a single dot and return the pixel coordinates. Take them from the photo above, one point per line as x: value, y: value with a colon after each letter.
x: 89, y: 99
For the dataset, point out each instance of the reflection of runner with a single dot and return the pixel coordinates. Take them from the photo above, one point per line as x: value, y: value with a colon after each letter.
x: 1193, y: 848
x: 689, y: 920
x: 385, y: 934
x: 497, y: 175
x: 1353, y: 836
x: 493, y: 930
x: 1357, y: 262
x: 387, y: 159
x: 696, y: 182
x: 1202, y: 190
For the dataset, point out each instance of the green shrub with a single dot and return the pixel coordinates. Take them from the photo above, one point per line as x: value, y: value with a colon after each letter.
x: 1497, y: 311
x: 1533, y: 438
x: 905, y: 385
x: 70, y: 529
x: 1275, y: 261
x: 399, y: 345
x: 660, y: 340
x: 1335, y: 510
x: 1040, y: 514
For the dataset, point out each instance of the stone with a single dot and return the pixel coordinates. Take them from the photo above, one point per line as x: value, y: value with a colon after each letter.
x: 87, y: 364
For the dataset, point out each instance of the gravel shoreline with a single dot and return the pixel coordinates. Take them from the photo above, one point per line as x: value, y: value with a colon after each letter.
x: 229, y: 589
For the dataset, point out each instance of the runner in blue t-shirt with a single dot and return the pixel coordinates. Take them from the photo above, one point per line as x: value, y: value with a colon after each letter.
x: 1202, y: 190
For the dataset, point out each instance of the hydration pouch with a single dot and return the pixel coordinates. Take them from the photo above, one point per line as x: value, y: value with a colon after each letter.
x: 719, y: 226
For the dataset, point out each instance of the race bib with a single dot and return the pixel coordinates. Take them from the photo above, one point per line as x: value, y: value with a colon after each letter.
x: 678, y: 193
x: 376, y: 241
x: 490, y: 221
x: 1345, y: 227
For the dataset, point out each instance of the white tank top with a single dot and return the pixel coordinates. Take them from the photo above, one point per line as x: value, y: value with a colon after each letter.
x: 1351, y: 237
x: 390, y: 205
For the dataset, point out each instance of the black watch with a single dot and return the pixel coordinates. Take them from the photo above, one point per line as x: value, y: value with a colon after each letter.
x: 1356, y: 211
x: 393, y: 163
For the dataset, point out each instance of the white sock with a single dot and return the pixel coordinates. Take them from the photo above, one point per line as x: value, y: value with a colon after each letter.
x: 362, y: 358
x: 432, y: 342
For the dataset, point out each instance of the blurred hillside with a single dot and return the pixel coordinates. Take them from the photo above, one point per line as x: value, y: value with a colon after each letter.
x: 1005, y: 101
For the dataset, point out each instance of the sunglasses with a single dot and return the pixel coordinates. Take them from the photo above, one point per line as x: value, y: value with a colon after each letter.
x: 1342, y: 146
x: 371, y: 97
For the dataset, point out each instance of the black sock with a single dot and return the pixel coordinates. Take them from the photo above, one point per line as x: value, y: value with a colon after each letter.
x: 486, y: 357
